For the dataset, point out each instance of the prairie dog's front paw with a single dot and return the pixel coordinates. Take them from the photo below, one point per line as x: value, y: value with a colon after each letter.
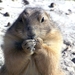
x: 39, y: 42
x: 29, y: 46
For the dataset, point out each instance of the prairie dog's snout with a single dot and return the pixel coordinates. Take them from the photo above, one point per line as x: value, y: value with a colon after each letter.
x: 30, y: 31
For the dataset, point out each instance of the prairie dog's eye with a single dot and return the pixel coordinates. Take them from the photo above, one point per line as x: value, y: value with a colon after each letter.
x: 42, y: 20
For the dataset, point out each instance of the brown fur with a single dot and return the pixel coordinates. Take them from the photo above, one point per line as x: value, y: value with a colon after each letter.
x: 32, y: 45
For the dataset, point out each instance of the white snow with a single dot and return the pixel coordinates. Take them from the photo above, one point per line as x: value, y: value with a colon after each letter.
x: 66, y: 23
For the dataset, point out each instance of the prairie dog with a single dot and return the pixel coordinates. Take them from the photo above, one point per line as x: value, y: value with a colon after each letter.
x: 32, y: 45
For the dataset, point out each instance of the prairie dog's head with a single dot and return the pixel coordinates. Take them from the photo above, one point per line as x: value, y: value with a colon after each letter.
x: 32, y: 23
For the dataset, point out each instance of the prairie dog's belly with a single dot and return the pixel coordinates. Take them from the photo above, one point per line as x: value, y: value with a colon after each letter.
x: 31, y: 68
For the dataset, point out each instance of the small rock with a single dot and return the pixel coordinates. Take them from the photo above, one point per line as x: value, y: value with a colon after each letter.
x: 68, y: 43
x: 72, y: 73
x: 68, y: 63
x: 51, y: 9
x: 73, y: 53
x: 0, y: 1
x: 6, y: 14
x: 13, y: 0
x: 52, y: 5
x: 1, y: 46
x: 8, y: 24
x: 69, y: 12
x: 73, y: 60
x: 25, y: 2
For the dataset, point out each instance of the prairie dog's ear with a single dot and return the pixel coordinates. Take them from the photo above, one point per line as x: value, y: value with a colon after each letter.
x: 22, y: 18
x: 28, y: 11
x: 25, y: 14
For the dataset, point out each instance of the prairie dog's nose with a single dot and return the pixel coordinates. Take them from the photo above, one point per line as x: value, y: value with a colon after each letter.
x: 30, y: 31
x: 31, y: 36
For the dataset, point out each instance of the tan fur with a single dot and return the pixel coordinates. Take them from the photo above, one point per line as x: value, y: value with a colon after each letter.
x: 32, y: 45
